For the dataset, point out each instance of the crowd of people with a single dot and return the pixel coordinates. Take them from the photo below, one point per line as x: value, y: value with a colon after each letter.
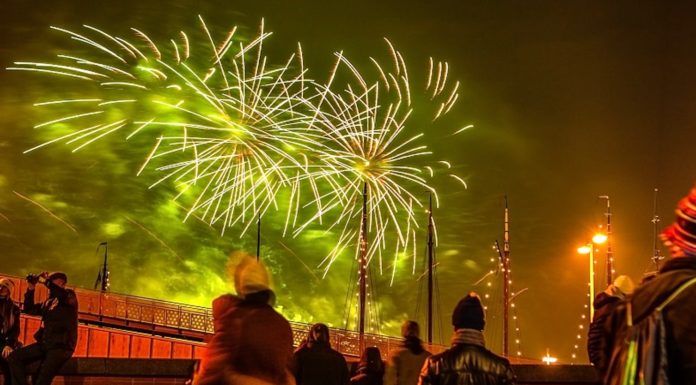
x: 644, y: 333
x: 668, y: 293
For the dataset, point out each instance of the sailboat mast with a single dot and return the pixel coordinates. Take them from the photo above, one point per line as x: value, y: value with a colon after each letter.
x: 610, y: 253
x: 656, y: 257
x: 258, y: 238
x: 363, y: 270
x: 430, y: 269
x: 506, y: 280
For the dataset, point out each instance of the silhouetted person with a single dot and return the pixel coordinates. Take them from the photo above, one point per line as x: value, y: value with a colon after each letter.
x: 599, y: 333
x: 467, y: 362
x: 9, y: 326
x: 370, y: 368
x: 57, y: 337
x: 316, y: 363
x: 252, y: 343
x: 404, y: 363
x: 679, y: 316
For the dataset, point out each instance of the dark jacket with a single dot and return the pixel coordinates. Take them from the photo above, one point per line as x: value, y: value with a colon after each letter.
x: 598, y: 348
x: 466, y: 364
x: 9, y: 323
x: 252, y: 344
x: 318, y: 364
x: 679, y: 316
x: 58, y: 315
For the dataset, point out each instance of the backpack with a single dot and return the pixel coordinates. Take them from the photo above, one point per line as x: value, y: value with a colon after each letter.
x: 640, y: 355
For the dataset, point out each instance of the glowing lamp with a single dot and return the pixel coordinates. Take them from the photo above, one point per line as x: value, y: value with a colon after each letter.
x: 599, y: 238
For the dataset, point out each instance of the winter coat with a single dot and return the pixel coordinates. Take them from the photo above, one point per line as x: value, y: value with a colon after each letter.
x: 58, y: 315
x: 466, y: 364
x: 252, y: 344
x: 404, y: 363
x: 9, y: 323
x: 598, y: 348
x: 318, y: 364
x: 679, y: 316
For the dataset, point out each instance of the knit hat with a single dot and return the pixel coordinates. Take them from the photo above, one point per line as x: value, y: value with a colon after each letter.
x: 410, y: 329
x: 682, y: 233
x: 6, y: 282
x: 624, y: 284
x: 468, y: 314
x: 250, y: 276
x: 58, y: 275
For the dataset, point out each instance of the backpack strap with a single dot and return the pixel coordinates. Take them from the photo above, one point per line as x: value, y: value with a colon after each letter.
x: 675, y: 294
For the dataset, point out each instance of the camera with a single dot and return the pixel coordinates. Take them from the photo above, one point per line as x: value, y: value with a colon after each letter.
x: 33, y: 278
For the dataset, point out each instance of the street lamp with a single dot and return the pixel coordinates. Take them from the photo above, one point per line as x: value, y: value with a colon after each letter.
x: 597, y: 239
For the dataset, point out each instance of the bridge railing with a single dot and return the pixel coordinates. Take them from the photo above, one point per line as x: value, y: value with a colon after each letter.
x: 109, y: 306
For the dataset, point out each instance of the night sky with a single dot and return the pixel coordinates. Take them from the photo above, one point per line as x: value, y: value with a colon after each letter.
x: 569, y: 100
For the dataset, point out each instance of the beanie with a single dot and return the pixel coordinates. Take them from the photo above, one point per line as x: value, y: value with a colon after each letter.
x: 468, y: 314
x: 624, y: 284
x: 250, y: 276
x: 58, y: 275
x: 682, y: 233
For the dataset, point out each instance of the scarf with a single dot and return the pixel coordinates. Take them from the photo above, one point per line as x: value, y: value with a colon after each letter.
x: 414, y: 345
x: 468, y: 336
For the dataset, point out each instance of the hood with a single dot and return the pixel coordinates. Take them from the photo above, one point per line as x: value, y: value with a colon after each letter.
x: 651, y: 294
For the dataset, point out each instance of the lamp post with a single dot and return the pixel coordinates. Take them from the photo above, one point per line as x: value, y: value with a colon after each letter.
x: 589, y: 249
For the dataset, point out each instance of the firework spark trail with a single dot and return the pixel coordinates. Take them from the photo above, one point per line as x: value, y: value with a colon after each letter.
x: 234, y: 132
x: 5, y: 218
x: 155, y: 237
x: 221, y: 129
x: 366, y: 143
x: 44, y: 208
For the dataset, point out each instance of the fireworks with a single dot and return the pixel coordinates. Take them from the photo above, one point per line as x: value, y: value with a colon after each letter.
x: 366, y: 147
x: 220, y: 120
x: 238, y: 136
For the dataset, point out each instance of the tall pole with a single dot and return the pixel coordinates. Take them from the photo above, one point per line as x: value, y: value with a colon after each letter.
x: 258, y: 238
x: 610, y: 254
x: 363, y: 270
x: 430, y: 269
x: 506, y: 280
x: 591, y: 246
x: 656, y: 257
x: 105, y: 269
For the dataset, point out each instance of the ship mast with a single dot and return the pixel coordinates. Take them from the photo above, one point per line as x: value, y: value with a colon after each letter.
x: 656, y: 257
x: 506, y: 280
x: 430, y: 269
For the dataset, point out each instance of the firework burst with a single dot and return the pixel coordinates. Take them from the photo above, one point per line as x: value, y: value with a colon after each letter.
x: 367, y: 149
x: 221, y: 122
x: 235, y: 135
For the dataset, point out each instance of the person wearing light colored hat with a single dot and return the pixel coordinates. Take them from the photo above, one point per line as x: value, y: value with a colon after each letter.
x: 9, y: 326
x: 599, y: 332
x: 677, y: 275
x: 404, y: 363
x: 252, y: 343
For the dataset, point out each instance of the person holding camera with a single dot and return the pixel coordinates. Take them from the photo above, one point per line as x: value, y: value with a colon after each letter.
x: 57, y: 337
x: 9, y: 326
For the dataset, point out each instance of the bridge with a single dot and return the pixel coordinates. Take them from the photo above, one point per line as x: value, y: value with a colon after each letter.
x: 116, y: 325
